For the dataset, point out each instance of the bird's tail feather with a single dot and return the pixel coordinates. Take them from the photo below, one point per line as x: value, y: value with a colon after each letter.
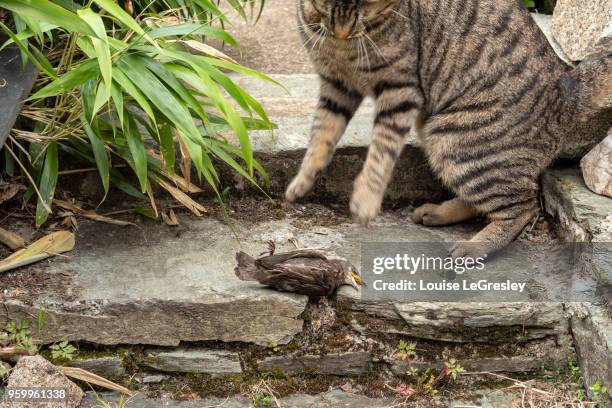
x: 245, y: 269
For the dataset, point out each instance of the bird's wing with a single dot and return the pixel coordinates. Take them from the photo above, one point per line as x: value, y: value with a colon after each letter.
x: 271, y: 261
x: 300, y: 279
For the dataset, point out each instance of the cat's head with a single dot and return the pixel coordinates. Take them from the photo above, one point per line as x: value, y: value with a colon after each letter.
x: 345, y: 19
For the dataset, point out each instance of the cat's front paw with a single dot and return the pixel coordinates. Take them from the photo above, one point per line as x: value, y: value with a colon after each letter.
x: 365, y: 204
x: 299, y: 187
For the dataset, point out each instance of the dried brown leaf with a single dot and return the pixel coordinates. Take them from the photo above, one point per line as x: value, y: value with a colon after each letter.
x: 170, y: 219
x: 183, y: 198
x: 90, y: 214
x: 200, y: 47
x: 91, y: 378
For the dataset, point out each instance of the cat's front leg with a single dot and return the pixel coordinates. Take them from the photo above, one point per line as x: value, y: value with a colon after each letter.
x: 337, y: 105
x: 396, y: 112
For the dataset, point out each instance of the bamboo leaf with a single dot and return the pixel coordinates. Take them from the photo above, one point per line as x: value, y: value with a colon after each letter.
x: 137, y: 150
x: 112, y: 8
x: 100, y: 45
x: 44, y: 10
x: 70, y: 80
x: 48, y: 181
x: 99, y: 151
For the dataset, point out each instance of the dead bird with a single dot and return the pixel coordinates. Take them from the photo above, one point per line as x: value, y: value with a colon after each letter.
x: 304, y: 271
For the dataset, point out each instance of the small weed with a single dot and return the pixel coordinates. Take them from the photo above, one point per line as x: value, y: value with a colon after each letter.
x: 453, y: 368
x: 406, y: 351
x: 262, y: 399
x: 63, y: 351
x: 599, y: 394
x: 412, y: 372
x: 20, y: 334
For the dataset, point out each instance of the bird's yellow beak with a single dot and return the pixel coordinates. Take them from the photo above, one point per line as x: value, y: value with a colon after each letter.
x: 357, y: 278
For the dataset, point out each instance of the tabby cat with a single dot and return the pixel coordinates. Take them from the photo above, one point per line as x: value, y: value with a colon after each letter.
x: 475, y: 80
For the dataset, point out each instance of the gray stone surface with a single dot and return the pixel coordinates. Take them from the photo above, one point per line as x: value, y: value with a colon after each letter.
x: 529, y: 357
x: 482, y: 398
x: 108, y: 367
x: 194, y: 361
x: 597, y: 168
x: 331, y: 399
x: 35, y: 371
x: 15, y: 85
x: 544, y: 21
x: 592, y: 330
x: 580, y: 26
x: 586, y: 217
x: 583, y: 215
x: 482, y: 322
x: 349, y: 363
x: 188, y: 292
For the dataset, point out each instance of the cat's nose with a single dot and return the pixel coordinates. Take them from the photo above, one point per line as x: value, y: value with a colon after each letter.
x: 342, y: 32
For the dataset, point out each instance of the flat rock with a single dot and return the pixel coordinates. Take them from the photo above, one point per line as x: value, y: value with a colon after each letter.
x: 529, y: 357
x: 15, y: 84
x: 37, y: 372
x: 108, y: 367
x: 187, y: 291
x: 194, y: 361
x: 349, y: 363
x: 544, y: 21
x: 482, y: 322
x: 592, y: 330
x: 584, y: 217
x: 580, y: 26
x: 597, y: 168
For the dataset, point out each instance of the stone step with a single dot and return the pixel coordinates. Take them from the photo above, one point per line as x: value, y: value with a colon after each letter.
x: 482, y: 398
x: 584, y: 216
x: 155, y: 285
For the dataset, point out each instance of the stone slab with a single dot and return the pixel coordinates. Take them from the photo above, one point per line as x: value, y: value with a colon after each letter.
x: 580, y: 26
x: 108, y: 367
x: 592, y: 331
x: 544, y: 21
x: 596, y: 168
x: 151, y: 285
x: 194, y: 361
x: 345, y: 364
x: 583, y: 216
x: 15, y: 85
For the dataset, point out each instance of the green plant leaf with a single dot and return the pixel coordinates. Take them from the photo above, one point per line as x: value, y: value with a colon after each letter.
x: 70, y: 80
x: 137, y: 150
x: 48, y: 181
x: 166, y: 142
x: 44, y: 10
x: 99, y: 151
x: 100, y: 45
x: 112, y: 8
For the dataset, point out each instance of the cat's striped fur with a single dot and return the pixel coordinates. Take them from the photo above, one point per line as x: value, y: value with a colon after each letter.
x: 475, y: 80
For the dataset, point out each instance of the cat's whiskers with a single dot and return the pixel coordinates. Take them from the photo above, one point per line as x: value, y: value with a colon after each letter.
x: 375, y: 46
x: 312, y: 37
x: 365, y: 51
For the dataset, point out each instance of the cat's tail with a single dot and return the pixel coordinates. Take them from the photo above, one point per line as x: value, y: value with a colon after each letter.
x: 589, y: 86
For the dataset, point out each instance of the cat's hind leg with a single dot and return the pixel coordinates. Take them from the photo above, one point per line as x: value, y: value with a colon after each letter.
x: 506, y: 223
x: 447, y: 213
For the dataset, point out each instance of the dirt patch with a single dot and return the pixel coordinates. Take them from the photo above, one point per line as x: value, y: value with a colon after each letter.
x: 31, y: 283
